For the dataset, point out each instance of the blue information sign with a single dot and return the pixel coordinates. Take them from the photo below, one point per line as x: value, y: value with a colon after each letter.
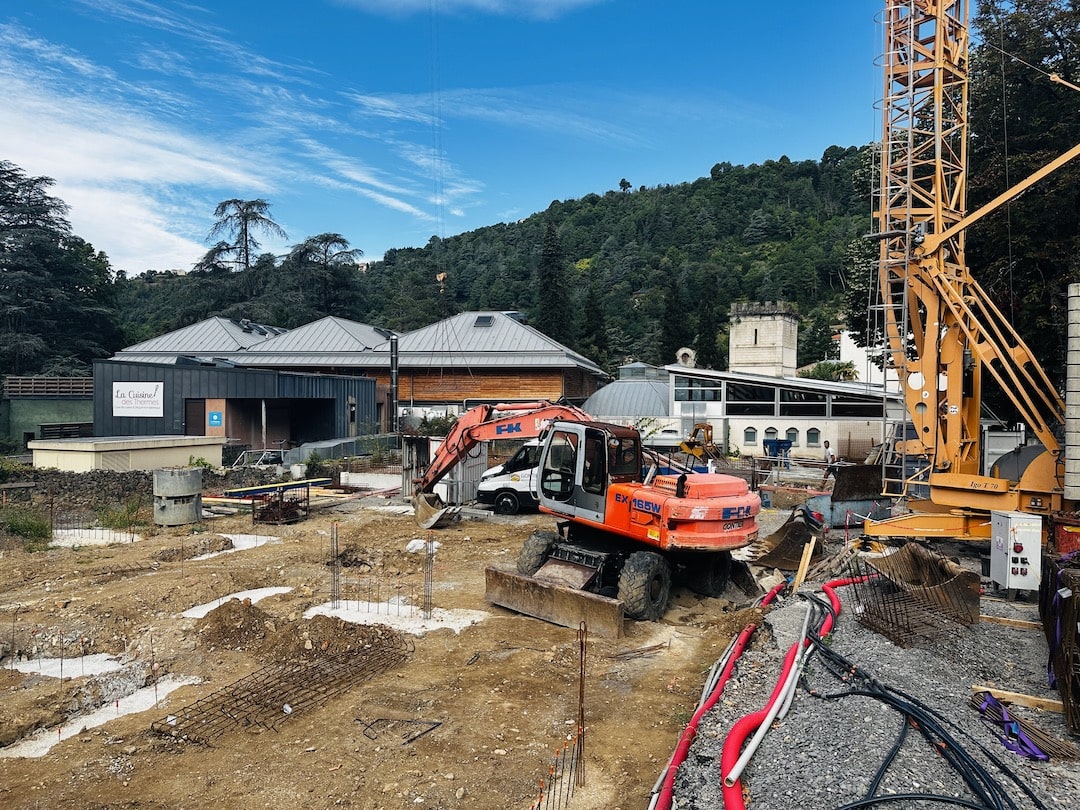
x: 214, y: 419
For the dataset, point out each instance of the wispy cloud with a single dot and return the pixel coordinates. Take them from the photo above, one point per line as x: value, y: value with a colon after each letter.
x: 530, y: 9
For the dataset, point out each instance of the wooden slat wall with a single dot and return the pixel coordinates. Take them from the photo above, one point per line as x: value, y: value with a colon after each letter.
x: 81, y: 387
x: 438, y: 386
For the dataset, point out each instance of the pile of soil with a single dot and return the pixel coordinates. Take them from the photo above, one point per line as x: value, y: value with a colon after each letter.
x: 206, y: 545
x: 235, y: 625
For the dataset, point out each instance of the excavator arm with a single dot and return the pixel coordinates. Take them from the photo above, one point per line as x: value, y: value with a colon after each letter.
x: 520, y: 420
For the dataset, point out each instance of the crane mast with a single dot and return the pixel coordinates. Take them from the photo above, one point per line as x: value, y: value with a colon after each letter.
x: 924, y: 191
x: 942, y: 330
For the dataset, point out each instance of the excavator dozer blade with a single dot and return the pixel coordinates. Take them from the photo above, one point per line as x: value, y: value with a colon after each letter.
x: 432, y: 513
x: 555, y: 603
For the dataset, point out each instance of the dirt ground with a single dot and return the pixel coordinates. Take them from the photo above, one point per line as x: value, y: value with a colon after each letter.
x: 471, y: 719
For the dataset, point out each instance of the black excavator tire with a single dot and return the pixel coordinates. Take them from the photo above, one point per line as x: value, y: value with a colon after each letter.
x: 645, y: 586
x: 535, y: 551
x: 708, y: 573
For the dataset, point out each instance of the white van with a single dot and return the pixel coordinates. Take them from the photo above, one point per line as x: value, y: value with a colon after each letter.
x: 508, y: 487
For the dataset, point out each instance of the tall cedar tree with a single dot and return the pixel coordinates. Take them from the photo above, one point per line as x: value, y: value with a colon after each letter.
x: 676, y: 330
x: 553, y: 312
x: 594, y: 340
x: 56, y: 291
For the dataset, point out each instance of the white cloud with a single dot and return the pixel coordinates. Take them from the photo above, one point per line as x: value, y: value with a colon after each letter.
x: 534, y: 9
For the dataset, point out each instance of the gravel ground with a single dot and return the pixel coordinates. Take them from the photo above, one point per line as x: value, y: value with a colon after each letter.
x: 825, y: 753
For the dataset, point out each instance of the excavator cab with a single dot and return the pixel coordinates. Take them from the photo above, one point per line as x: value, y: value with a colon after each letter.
x: 579, y: 461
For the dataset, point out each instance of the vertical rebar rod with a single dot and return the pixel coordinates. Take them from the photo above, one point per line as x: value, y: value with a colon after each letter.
x: 335, y: 567
x: 579, y: 748
x: 429, y: 569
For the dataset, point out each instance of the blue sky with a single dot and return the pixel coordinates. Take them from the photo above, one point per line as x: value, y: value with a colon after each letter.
x: 390, y: 121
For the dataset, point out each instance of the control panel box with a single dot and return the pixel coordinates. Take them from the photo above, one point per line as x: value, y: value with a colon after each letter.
x: 1016, y: 550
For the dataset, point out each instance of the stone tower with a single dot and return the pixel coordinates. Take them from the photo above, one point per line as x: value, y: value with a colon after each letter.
x: 764, y: 338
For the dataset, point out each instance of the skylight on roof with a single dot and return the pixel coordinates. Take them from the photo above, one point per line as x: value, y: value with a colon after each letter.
x: 484, y: 320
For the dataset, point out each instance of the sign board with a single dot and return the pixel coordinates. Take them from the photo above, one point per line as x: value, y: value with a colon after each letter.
x: 138, y: 399
x: 213, y: 419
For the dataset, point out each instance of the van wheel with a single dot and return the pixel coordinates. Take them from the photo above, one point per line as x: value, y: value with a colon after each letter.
x: 709, y: 573
x: 535, y: 551
x: 507, y: 503
x: 645, y: 586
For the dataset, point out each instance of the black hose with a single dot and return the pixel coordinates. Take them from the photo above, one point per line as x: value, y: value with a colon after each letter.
x: 990, y: 794
x: 875, y: 783
x: 908, y: 797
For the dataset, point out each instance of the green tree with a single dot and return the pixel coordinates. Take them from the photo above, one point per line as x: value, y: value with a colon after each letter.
x: 240, y: 219
x: 594, y: 339
x: 553, y: 310
x: 831, y: 370
x: 56, y: 291
x: 328, y: 266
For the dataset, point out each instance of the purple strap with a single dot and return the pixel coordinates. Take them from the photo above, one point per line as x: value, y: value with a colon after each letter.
x: 1014, y: 738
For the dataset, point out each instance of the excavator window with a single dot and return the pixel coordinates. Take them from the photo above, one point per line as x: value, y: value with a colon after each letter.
x: 595, y: 474
x: 625, y: 461
x: 557, y: 477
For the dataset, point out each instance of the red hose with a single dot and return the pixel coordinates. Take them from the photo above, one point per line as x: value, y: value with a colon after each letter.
x: 746, y: 726
x: 665, y: 796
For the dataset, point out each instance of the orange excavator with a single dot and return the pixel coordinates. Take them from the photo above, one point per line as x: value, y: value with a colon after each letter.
x: 521, y: 420
x: 623, y: 534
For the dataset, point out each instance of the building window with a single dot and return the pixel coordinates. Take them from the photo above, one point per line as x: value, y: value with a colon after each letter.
x: 693, y: 389
x: 796, y: 402
x: 813, y: 437
x: 749, y: 436
x: 793, y: 436
x: 750, y: 400
x: 770, y: 433
x: 856, y: 406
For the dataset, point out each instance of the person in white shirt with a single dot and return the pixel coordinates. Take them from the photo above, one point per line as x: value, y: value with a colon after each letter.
x: 830, y: 462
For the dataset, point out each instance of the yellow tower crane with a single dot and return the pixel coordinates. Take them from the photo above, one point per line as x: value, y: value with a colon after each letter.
x: 941, y: 328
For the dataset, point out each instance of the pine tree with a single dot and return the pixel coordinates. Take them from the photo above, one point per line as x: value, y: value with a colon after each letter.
x: 553, y: 312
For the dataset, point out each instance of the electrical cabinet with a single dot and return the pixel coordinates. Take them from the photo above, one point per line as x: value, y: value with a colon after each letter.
x: 1016, y: 550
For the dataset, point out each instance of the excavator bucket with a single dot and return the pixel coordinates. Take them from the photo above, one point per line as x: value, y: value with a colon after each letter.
x: 857, y: 482
x: 554, y: 602
x: 432, y: 513
x: 783, y: 548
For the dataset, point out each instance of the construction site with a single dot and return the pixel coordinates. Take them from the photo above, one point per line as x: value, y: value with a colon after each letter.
x: 626, y: 628
x: 351, y: 659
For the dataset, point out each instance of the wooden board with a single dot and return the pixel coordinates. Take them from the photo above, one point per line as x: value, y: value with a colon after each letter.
x: 1021, y: 623
x: 1032, y: 702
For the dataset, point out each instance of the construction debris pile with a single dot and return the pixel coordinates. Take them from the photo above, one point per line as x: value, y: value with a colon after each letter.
x: 914, y: 647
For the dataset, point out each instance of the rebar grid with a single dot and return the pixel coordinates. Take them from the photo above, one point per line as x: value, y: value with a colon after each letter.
x: 913, y: 594
x: 269, y: 696
x: 1060, y: 611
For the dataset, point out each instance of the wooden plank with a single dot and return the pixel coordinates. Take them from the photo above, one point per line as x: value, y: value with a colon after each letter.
x: 1032, y: 702
x: 804, y: 564
x: 1021, y: 623
x: 240, y: 492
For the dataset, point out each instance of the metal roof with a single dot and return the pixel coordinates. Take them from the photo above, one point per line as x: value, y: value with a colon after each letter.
x: 214, y: 336
x: 492, y: 339
x: 469, y: 340
x: 825, y: 386
x: 329, y: 334
x: 629, y: 400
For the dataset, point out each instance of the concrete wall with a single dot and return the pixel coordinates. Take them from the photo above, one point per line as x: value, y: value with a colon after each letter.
x: 21, y: 416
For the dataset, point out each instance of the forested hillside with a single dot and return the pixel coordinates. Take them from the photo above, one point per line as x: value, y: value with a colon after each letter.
x: 629, y: 273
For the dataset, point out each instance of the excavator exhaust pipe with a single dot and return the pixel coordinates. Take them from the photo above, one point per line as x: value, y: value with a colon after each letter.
x: 431, y: 512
